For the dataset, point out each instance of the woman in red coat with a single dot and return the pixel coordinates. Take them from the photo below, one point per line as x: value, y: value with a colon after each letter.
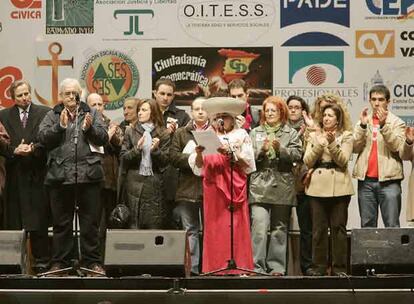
x: 216, y: 172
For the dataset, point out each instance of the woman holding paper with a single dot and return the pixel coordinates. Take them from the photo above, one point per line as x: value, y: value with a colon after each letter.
x: 277, y: 147
x: 235, y: 152
x: 145, y: 154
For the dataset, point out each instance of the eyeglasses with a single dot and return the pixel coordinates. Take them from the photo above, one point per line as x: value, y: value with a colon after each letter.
x: 69, y: 93
x: 272, y: 111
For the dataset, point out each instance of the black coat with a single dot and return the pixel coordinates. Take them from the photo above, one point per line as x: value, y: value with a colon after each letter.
x: 190, y: 187
x: 26, y: 203
x: 170, y: 175
x: 143, y: 197
x: 60, y: 144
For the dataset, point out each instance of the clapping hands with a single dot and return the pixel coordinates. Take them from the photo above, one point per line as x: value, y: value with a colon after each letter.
x: 409, y: 135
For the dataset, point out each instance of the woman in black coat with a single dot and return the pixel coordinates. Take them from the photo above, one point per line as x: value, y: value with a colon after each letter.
x: 145, y: 156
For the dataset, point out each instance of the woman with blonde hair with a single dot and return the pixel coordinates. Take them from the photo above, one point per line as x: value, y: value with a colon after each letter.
x: 272, y: 192
x: 315, y: 119
x: 330, y: 188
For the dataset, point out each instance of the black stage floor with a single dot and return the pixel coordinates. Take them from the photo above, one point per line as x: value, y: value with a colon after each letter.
x: 391, y: 289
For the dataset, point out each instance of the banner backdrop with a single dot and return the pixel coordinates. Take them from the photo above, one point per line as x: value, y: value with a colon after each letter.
x: 119, y: 48
x: 202, y: 71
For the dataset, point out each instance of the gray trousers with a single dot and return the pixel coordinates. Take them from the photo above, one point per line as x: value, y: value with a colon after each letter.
x: 270, y: 256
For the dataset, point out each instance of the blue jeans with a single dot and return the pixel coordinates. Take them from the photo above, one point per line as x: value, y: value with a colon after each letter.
x: 187, y: 213
x: 385, y: 195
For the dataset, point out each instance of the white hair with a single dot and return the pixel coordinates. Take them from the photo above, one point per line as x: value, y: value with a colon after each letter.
x: 70, y: 82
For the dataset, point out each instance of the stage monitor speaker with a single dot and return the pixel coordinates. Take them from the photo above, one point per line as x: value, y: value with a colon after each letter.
x: 154, y: 252
x: 382, y: 251
x: 12, y: 251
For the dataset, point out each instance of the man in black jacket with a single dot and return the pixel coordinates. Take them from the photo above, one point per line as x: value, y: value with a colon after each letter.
x: 174, y: 118
x: 26, y: 203
x: 74, y: 135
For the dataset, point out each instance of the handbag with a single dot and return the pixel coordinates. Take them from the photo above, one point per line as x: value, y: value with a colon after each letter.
x: 120, y: 215
x: 307, y: 178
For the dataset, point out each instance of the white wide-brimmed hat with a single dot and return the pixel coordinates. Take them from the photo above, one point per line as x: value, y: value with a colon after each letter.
x: 227, y: 105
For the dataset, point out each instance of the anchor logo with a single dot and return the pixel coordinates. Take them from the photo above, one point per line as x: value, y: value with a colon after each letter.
x: 55, y: 49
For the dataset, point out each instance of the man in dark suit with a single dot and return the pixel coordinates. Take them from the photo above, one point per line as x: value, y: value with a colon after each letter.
x: 26, y: 203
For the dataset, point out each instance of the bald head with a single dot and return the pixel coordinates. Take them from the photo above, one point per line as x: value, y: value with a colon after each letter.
x: 95, y: 101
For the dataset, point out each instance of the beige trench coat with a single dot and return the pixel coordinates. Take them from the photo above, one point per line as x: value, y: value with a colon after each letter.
x: 330, y: 182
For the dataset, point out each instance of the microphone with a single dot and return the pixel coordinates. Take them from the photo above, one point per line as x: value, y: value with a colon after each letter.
x: 220, y: 122
x: 77, y: 98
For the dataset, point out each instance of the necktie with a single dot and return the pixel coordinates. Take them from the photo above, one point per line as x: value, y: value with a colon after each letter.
x: 24, y: 119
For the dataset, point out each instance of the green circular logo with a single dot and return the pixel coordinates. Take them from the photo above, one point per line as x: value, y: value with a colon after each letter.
x: 111, y: 74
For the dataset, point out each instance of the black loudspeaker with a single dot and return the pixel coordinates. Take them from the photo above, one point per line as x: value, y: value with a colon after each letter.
x: 12, y: 251
x: 154, y: 252
x: 382, y: 251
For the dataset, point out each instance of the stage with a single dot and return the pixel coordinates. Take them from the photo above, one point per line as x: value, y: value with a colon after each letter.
x: 291, y: 289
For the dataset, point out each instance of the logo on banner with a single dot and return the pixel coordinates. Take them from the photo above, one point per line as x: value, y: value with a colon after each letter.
x: 299, y: 11
x: 134, y: 23
x: 390, y: 9
x: 55, y: 49
x: 316, y: 67
x: 69, y: 17
x: 26, y: 9
x: 376, y: 79
x: 237, y: 22
x: 111, y: 74
x: 374, y: 44
x: 408, y: 37
x: 237, y: 63
x: 8, y: 75
x: 328, y: 11
x: 315, y: 39
x: 403, y: 102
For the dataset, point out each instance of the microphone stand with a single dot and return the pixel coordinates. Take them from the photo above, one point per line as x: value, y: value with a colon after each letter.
x: 231, y: 263
x: 76, y: 268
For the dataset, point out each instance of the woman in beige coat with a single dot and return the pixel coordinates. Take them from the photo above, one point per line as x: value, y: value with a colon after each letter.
x: 408, y: 154
x: 330, y: 188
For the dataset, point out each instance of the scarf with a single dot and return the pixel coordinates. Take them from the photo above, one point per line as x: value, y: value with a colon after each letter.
x: 296, y: 124
x: 145, y: 167
x: 270, y: 132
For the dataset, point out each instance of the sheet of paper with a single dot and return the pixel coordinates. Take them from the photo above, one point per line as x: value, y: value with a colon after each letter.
x: 209, y: 140
x: 96, y: 149
x: 189, y: 147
